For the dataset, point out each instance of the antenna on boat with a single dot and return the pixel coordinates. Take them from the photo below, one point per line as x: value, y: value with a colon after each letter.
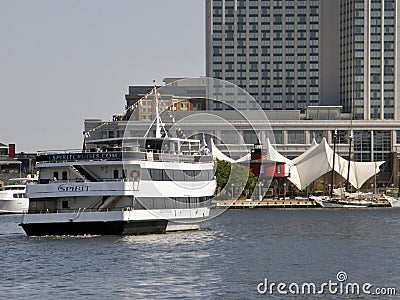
x: 159, y: 123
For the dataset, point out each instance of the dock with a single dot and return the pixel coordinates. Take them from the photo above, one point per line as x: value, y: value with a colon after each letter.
x: 273, y: 203
x: 265, y: 203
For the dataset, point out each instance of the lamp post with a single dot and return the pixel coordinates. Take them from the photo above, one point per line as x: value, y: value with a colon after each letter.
x: 260, y: 196
x: 284, y: 191
x: 232, y: 186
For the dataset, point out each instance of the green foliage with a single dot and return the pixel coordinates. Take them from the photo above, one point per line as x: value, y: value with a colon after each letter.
x: 236, y: 174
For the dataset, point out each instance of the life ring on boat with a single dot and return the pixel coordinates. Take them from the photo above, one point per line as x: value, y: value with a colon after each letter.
x: 135, y: 174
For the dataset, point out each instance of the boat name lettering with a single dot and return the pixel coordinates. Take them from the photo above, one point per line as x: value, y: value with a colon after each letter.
x: 84, y: 156
x: 73, y: 188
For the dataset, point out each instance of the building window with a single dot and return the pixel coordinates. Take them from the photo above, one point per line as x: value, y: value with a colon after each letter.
x: 296, y: 137
x: 278, y: 134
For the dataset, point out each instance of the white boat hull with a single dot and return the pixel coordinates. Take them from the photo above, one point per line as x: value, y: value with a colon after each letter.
x: 14, y: 205
x: 327, y: 203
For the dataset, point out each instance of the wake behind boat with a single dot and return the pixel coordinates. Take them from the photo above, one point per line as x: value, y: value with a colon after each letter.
x: 134, y: 185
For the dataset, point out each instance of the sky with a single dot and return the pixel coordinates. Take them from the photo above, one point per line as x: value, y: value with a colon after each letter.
x: 65, y: 61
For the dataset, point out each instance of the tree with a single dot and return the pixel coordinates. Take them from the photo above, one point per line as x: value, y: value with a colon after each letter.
x: 238, y: 175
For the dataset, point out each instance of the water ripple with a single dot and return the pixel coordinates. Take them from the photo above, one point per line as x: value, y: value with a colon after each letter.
x: 226, y: 260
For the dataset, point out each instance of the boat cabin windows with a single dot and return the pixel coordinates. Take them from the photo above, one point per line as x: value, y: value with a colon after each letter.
x: 172, y: 203
x: 154, y: 145
x: 48, y: 205
x: 116, y: 174
x: 55, y: 175
x: 14, y: 188
x: 64, y: 175
x: 64, y: 204
x: 19, y: 195
x: 164, y: 145
x: 177, y: 175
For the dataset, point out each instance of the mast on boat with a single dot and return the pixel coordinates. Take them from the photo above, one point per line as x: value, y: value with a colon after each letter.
x: 333, y: 162
x: 350, y: 142
x: 159, y: 123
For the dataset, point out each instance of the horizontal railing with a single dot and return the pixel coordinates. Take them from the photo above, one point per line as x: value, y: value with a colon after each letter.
x: 65, y: 210
x: 95, y: 210
x: 79, y: 180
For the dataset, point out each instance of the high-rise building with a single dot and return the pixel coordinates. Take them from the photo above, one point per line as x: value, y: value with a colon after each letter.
x: 290, y: 54
x: 369, y: 58
x: 273, y: 50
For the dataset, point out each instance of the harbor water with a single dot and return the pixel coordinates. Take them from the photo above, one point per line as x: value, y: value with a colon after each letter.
x: 228, y: 259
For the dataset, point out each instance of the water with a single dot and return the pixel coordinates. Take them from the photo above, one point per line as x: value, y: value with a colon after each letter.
x: 226, y: 260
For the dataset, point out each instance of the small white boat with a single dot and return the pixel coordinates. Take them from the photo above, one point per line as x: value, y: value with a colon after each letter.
x: 13, y: 199
x: 355, y: 203
x: 326, y: 201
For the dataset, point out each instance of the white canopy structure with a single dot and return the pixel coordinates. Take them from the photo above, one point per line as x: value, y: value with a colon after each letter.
x: 318, y: 160
x: 217, y: 154
x: 312, y: 164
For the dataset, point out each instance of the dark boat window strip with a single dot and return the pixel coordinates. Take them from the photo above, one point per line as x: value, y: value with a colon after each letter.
x: 176, y: 175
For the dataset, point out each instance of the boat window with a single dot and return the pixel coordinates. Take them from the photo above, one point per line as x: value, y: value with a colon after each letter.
x: 145, y: 174
x: 64, y: 175
x: 64, y: 204
x: 154, y: 145
x: 177, y: 175
x: 116, y: 174
x: 171, y: 203
x: 55, y: 175
x: 168, y: 175
x: 156, y: 174
x: 14, y: 188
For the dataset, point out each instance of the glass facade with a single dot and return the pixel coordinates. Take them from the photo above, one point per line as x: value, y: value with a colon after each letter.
x: 367, y: 58
x: 382, y: 145
x: 362, y: 145
x: 318, y: 135
x: 296, y: 137
x: 269, y: 48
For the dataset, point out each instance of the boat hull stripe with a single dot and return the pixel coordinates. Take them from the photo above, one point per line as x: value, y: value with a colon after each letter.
x: 96, y: 228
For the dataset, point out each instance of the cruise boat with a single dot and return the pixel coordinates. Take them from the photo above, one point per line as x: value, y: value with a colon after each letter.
x: 126, y: 185
x: 13, y: 199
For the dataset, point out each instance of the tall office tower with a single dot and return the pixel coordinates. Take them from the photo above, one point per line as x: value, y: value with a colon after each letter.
x: 273, y: 50
x: 369, y: 58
